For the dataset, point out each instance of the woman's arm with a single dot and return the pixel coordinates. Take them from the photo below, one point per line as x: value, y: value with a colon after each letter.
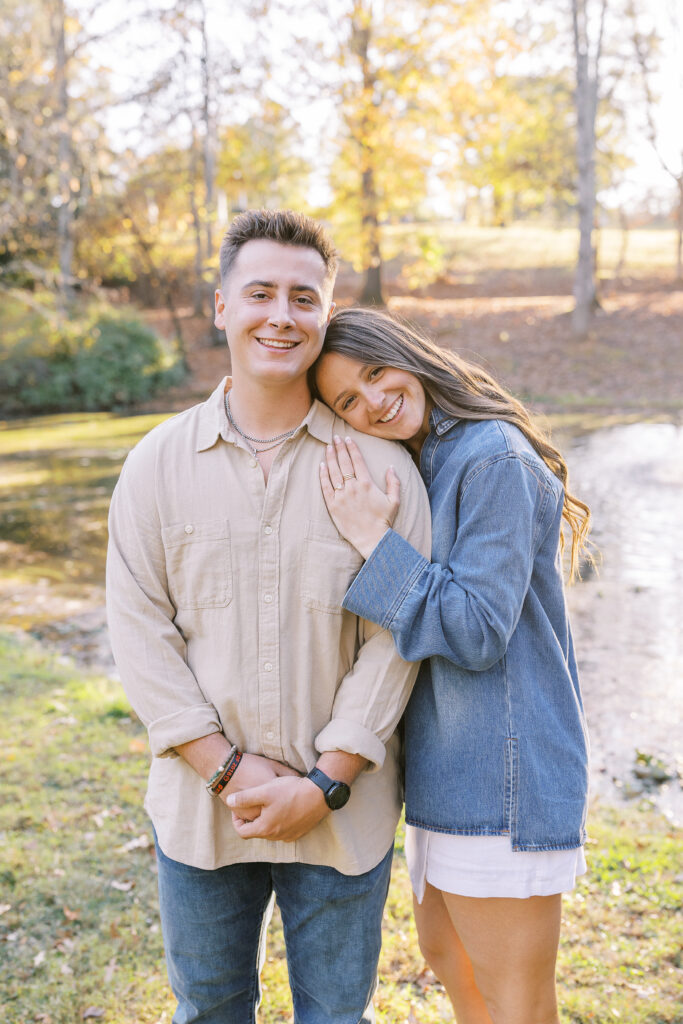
x: 467, y: 609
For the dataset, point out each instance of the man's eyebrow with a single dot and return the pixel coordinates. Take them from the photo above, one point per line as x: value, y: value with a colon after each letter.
x: 273, y: 284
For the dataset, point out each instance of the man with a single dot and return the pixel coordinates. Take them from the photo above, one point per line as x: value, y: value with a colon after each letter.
x: 225, y: 581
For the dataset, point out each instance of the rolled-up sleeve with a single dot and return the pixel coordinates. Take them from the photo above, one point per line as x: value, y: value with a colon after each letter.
x: 373, y: 694
x: 149, y: 650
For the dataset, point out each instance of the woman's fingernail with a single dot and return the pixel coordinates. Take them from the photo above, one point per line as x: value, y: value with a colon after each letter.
x: 337, y: 439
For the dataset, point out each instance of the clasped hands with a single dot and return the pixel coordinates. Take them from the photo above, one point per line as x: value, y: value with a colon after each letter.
x: 360, y: 510
x: 270, y: 800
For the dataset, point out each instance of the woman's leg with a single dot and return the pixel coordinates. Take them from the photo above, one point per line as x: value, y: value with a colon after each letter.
x: 512, y: 947
x: 445, y: 954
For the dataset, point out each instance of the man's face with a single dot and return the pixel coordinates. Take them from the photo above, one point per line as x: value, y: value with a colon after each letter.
x: 274, y: 307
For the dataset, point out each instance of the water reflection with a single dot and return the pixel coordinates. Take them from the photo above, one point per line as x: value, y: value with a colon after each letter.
x: 627, y: 619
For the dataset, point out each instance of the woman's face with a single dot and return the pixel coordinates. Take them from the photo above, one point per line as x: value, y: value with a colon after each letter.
x: 379, y: 400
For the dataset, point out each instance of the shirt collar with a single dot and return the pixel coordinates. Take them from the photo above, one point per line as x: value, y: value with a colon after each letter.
x: 214, y: 423
x: 441, y: 421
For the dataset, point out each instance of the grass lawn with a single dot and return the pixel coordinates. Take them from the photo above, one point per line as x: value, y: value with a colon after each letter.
x: 525, y: 244
x: 78, y: 918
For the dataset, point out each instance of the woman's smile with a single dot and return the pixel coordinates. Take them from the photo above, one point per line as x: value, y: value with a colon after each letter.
x: 393, y: 412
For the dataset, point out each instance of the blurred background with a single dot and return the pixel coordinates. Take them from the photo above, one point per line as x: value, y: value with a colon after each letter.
x: 510, y: 177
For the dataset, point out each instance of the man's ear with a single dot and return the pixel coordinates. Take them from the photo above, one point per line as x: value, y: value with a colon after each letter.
x: 219, y: 316
x: 333, y: 306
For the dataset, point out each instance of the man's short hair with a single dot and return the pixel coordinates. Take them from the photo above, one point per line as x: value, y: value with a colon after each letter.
x: 284, y: 226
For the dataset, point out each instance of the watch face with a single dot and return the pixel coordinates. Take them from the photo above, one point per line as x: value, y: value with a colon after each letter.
x: 337, y: 795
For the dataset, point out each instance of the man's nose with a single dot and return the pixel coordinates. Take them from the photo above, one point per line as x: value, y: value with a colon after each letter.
x: 281, y: 316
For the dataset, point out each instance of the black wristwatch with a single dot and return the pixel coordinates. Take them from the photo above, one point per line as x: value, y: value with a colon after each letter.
x: 336, y: 793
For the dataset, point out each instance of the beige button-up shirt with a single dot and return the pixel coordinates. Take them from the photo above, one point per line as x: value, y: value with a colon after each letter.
x: 224, y: 602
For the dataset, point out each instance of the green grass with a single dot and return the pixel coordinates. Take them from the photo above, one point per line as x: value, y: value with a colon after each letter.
x: 78, y: 914
x: 523, y: 246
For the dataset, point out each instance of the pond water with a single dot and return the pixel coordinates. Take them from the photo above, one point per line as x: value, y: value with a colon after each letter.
x: 57, y: 475
x: 627, y: 618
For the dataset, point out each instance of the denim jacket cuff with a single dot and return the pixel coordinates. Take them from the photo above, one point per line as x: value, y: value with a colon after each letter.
x: 369, y: 596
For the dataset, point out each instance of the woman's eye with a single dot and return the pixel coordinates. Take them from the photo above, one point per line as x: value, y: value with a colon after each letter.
x: 347, y: 403
x: 374, y: 372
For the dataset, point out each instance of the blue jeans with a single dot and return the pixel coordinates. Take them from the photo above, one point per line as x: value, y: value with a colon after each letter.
x: 213, y: 924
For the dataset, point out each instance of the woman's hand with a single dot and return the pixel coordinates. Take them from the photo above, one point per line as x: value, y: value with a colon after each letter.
x: 359, y: 509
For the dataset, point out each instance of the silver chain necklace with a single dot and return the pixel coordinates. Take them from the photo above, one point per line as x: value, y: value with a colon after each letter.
x: 271, y: 442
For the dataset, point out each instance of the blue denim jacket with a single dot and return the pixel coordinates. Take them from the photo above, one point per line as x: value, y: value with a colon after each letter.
x: 496, y: 739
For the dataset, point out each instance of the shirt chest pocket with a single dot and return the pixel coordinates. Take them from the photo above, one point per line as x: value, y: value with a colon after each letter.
x: 198, y: 563
x: 328, y: 566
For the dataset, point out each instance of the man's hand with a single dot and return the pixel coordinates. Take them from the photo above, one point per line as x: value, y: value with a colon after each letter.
x: 288, y: 809
x: 252, y: 773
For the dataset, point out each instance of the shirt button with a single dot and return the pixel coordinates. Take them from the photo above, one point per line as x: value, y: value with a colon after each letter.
x: 268, y: 598
x: 270, y: 734
x: 268, y: 529
x: 253, y: 463
x: 189, y: 528
x: 268, y: 667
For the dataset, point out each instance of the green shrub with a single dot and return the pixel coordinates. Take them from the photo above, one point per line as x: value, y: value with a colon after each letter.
x: 102, y: 360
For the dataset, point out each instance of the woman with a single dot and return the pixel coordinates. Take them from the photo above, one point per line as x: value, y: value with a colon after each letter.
x: 496, y: 747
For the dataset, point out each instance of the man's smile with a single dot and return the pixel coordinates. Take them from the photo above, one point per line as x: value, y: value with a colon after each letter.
x: 277, y: 343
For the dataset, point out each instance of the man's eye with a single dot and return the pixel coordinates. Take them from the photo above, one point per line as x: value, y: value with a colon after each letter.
x: 259, y: 295
x: 304, y: 300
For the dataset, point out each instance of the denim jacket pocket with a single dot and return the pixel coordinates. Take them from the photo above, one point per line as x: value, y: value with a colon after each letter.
x: 198, y: 563
x: 327, y: 567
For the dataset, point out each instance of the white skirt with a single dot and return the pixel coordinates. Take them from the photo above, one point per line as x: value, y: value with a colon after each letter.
x: 487, y: 866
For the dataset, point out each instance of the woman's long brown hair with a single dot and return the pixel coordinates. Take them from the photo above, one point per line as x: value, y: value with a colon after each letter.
x: 458, y: 387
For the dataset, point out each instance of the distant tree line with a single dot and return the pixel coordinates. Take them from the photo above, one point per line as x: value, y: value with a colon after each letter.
x: 510, y: 114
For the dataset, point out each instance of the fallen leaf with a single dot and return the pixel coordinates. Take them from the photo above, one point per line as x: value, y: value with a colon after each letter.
x: 4, y: 907
x: 142, y: 842
x: 70, y: 915
x: 92, y: 1011
x: 39, y: 958
x: 122, y: 886
x: 137, y: 746
x: 109, y: 970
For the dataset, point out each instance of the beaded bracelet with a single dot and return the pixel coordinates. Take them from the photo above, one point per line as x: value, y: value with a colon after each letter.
x: 218, y: 781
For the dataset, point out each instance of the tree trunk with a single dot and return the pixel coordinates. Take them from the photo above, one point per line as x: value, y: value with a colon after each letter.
x: 198, y: 290
x: 679, y: 237
x: 65, y: 241
x: 586, y: 108
x: 370, y: 231
x: 216, y: 336
x: 167, y: 291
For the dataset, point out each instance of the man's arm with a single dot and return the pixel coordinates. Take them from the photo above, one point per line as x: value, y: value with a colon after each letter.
x: 149, y: 650
x: 368, y: 704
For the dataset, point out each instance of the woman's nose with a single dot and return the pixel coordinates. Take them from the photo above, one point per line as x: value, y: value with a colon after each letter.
x: 374, y: 398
